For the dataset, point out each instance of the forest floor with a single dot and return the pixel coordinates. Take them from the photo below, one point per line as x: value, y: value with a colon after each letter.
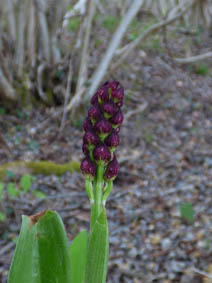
x: 166, y: 162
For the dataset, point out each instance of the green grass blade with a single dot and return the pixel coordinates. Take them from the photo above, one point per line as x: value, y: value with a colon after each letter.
x: 41, y: 253
x: 78, y: 251
x: 98, y: 249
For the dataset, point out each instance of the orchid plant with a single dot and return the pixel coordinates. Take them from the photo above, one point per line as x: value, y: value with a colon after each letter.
x: 42, y: 253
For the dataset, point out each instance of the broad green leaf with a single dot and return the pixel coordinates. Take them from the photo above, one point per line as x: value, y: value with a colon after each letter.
x: 98, y: 249
x: 42, y: 253
x: 26, y: 182
x: 1, y: 190
x: 187, y: 211
x: 78, y: 251
x: 12, y: 190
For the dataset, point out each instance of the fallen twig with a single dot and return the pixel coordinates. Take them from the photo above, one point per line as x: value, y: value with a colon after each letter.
x: 6, y: 248
x: 193, y: 59
x: 208, y: 275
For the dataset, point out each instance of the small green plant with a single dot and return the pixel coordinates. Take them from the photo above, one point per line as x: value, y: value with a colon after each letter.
x: 154, y: 43
x: 2, y: 214
x: 34, y: 145
x: 13, y: 190
x: 38, y: 194
x: 42, y: 252
x: 2, y: 111
x: 110, y: 22
x: 187, y: 212
x: 201, y: 69
x: 25, y: 182
x: 74, y: 23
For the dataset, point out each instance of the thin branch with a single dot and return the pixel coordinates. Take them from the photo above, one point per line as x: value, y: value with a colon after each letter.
x: 149, y: 31
x: 6, y: 87
x: 44, y: 31
x: 31, y: 42
x: 115, y: 41
x: 11, y: 18
x: 7, y: 248
x: 208, y: 275
x: 193, y: 59
x: 84, y: 58
x: 20, y: 37
x: 40, y: 72
x: 67, y: 96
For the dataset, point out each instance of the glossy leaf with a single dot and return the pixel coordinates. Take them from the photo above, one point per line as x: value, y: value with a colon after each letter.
x: 78, y: 251
x: 41, y: 253
x: 98, y: 249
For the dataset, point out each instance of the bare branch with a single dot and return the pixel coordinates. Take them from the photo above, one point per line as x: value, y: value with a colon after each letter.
x: 31, y: 40
x: 208, y: 275
x: 20, y: 37
x: 43, y: 30
x: 9, y: 7
x: 40, y: 71
x: 149, y: 31
x: 115, y: 41
x: 84, y: 57
x: 193, y: 59
x: 67, y: 96
x: 6, y: 87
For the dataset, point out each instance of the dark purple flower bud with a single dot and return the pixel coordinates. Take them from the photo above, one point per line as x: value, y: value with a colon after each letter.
x: 109, y: 109
x: 112, y: 170
x: 94, y: 99
x: 119, y: 104
x: 117, y: 119
x: 85, y: 149
x: 118, y: 95
x: 103, y: 94
x: 106, y: 83
x: 87, y: 125
x: 103, y: 128
x: 94, y: 113
x: 117, y: 130
x: 90, y: 138
x: 113, y: 85
x: 112, y: 140
x: 88, y: 168
x: 101, y: 154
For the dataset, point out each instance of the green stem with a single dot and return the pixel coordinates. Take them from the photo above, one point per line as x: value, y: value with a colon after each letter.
x: 89, y: 190
x: 98, y: 186
x: 107, y: 192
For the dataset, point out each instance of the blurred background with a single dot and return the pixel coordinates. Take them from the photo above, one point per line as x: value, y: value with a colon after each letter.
x: 53, y: 56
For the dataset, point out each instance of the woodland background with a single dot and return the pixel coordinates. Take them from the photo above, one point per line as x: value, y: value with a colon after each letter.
x: 53, y: 56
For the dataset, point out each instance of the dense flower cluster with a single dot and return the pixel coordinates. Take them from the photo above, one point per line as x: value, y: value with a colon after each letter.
x: 101, y: 131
